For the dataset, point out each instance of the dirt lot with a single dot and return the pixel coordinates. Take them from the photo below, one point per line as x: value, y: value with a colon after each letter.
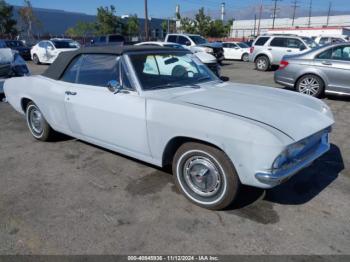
x: 69, y: 197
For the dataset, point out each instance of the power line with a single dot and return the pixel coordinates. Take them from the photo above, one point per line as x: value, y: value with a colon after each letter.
x: 294, y: 6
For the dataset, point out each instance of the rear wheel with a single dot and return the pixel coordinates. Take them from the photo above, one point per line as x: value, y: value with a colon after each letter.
x: 205, y: 175
x: 245, y: 57
x: 310, y: 85
x: 36, y: 59
x: 262, y: 63
x: 37, y: 124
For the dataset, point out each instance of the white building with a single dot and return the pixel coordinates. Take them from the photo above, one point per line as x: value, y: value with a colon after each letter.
x: 336, y: 25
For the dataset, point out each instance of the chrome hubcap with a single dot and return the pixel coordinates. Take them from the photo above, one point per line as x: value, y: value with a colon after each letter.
x: 36, y: 120
x: 261, y: 64
x: 202, y: 176
x: 309, y: 86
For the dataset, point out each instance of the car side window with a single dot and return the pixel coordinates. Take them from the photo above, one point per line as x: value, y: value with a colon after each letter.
x: 325, y: 54
x: 172, y: 38
x: 49, y: 45
x: 341, y: 53
x: 295, y: 43
x: 324, y: 40
x: 182, y: 40
x: 261, y: 41
x: 71, y: 73
x: 98, y: 70
x: 278, y: 42
x: 42, y: 44
x: 225, y: 45
x: 102, y: 39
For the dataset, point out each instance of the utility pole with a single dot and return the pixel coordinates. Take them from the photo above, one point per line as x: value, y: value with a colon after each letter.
x: 260, y: 14
x: 223, y: 11
x: 294, y: 6
x: 274, y: 13
x: 146, y: 21
x: 329, y: 12
x: 310, y: 13
x: 254, y: 24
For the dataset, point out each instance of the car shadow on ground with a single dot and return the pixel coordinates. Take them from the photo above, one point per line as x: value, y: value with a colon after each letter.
x: 301, y: 188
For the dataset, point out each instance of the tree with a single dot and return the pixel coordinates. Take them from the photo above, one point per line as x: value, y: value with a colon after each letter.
x: 188, y: 26
x: 217, y: 29
x: 7, y: 23
x: 28, y: 18
x: 132, y: 26
x: 202, y: 22
x: 107, y: 21
x: 82, y: 29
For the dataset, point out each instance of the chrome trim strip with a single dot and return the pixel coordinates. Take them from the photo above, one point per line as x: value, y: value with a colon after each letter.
x: 337, y: 92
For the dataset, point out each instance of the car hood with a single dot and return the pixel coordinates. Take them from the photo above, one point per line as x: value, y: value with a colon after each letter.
x: 215, y: 45
x: 295, y: 115
x: 205, y: 57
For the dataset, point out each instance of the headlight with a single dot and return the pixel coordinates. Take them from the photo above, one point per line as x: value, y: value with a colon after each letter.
x: 208, y: 50
x: 290, y: 155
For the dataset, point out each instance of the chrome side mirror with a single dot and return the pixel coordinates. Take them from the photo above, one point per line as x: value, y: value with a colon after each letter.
x: 114, y: 86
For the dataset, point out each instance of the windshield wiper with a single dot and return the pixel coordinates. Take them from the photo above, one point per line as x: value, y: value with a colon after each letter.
x: 171, y: 85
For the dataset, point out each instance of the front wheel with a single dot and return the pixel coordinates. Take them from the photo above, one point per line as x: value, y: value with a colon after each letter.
x: 245, y: 57
x: 36, y: 59
x: 205, y: 175
x: 310, y: 85
x: 37, y: 124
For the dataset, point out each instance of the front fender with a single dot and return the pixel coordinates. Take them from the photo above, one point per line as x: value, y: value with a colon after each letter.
x: 251, y: 146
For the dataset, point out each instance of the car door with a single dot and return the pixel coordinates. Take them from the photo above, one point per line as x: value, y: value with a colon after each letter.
x: 41, y: 51
x: 335, y: 63
x: 111, y: 119
x: 230, y: 50
x: 51, y: 52
x: 278, y: 48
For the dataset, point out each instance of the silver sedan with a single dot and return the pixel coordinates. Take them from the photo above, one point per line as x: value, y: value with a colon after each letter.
x: 321, y: 70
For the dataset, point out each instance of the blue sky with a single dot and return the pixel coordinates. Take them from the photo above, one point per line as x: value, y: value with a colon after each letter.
x: 166, y: 8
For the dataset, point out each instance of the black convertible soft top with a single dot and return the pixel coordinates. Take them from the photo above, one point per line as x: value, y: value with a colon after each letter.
x: 56, y: 70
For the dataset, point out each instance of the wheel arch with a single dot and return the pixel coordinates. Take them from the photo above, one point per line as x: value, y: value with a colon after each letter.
x: 262, y: 54
x: 174, y: 144
x: 24, y: 103
x: 325, y: 83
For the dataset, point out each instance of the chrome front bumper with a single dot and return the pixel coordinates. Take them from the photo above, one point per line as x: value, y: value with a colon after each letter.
x: 274, y: 179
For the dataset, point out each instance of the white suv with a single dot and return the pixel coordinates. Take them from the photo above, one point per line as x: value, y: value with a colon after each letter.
x: 197, y: 43
x: 268, y: 50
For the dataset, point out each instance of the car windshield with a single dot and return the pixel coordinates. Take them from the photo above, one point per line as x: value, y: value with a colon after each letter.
x: 14, y: 43
x: 198, y: 39
x: 168, y: 70
x: 65, y: 44
x: 310, y: 42
x: 243, y: 45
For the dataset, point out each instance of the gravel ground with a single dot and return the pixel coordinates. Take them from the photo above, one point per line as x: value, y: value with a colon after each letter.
x: 70, y: 197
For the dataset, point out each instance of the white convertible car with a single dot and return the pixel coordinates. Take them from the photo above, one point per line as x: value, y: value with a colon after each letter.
x: 164, y: 107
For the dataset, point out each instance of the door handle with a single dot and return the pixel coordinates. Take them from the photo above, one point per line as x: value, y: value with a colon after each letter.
x: 70, y: 93
x: 289, y: 51
x: 269, y: 49
x: 326, y: 63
